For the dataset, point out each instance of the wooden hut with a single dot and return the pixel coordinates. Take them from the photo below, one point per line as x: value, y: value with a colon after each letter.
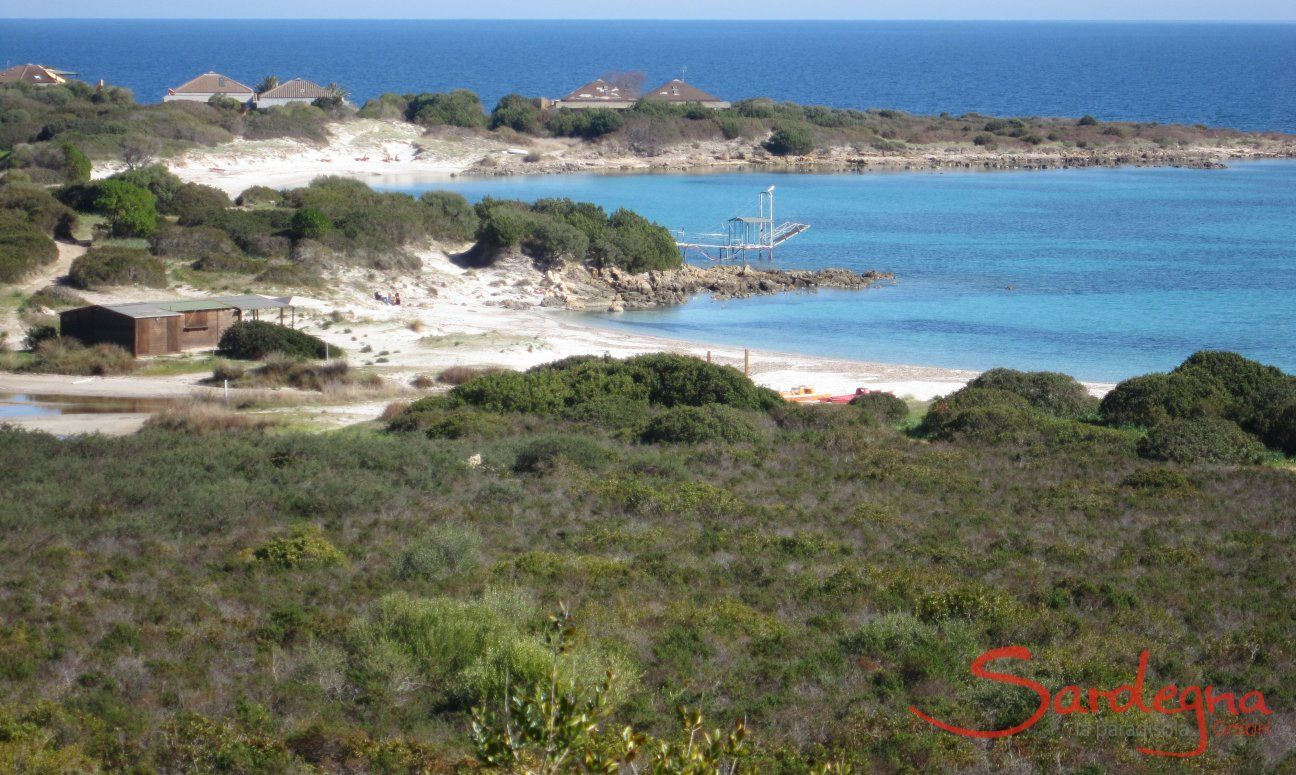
x: 167, y: 327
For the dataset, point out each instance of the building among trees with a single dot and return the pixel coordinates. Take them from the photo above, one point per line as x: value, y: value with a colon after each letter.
x: 208, y: 85
x: 34, y: 75
x: 295, y: 90
x: 168, y: 327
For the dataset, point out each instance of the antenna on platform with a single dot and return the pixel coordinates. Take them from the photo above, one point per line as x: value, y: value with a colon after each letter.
x: 746, y: 234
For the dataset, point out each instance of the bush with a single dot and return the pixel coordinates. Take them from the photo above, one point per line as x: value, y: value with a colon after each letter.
x: 259, y: 196
x: 995, y: 424
x: 458, y: 108
x: 36, y: 206
x: 253, y: 340
x: 518, y: 113
x: 701, y: 424
x: 194, y: 204
x: 309, y: 223
x: 440, y: 553
x: 1281, y: 433
x: 306, y: 548
x: 1201, y: 440
x: 546, y: 453
x: 76, y: 165
x: 23, y: 248
x: 881, y: 408
x: 457, y: 375
x: 53, y: 297
x: 611, y: 412
x: 1057, y: 394
x: 131, y: 210
x: 1159, y: 480
x: 192, y: 244
x: 944, y: 410
x: 108, y: 266
x: 790, y: 141
x: 1153, y: 399
x: 204, y: 418
x: 449, y: 215
x: 458, y: 424
x: 1258, y: 393
x: 68, y: 356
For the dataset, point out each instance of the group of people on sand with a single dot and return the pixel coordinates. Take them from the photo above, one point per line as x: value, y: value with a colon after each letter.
x: 388, y: 298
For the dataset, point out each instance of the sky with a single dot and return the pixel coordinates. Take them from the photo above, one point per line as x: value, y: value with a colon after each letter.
x: 1093, y: 10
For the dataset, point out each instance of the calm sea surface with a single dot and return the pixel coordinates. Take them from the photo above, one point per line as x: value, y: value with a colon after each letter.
x: 1236, y: 75
x: 1102, y: 273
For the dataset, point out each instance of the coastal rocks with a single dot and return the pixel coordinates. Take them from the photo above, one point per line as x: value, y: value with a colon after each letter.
x: 616, y: 290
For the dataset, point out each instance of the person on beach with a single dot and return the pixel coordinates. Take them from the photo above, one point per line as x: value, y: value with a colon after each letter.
x: 396, y: 300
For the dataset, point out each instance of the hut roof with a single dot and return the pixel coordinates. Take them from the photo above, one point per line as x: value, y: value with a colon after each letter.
x: 174, y: 307
x: 679, y: 91
x: 598, y: 90
x: 34, y: 74
x: 211, y: 83
x: 298, y: 88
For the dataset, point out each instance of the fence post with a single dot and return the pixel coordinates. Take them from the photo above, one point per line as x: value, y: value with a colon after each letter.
x: 746, y: 362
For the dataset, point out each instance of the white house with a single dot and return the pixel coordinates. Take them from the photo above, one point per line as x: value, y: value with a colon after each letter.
x: 597, y: 94
x: 208, y: 85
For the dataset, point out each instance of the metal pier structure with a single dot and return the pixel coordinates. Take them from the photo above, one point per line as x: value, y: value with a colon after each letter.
x: 744, y: 236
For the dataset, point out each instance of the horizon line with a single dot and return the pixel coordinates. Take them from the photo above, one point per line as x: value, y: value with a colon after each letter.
x: 638, y: 19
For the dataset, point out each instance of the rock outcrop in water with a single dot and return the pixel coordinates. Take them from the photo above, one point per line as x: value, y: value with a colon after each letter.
x: 575, y: 287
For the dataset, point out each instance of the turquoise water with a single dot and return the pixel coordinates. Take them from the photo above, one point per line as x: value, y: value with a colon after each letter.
x: 1100, y: 273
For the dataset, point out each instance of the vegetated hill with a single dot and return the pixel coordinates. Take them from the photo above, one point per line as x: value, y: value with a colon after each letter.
x: 247, y: 602
x: 290, y: 237
x: 51, y: 132
x: 786, y: 128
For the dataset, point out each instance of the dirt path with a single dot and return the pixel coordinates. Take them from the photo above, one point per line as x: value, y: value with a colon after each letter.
x: 49, y: 275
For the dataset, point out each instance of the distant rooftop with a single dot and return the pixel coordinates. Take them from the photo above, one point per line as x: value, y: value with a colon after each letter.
x: 297, y: 88
x: 212, y: 83
x: 598, y: 90
x: 679, y: 91
x: 174, y: 307
x: 39, y: 75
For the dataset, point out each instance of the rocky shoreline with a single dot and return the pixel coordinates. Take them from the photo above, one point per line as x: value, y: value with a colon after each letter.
x: 730, y: 156
x: 615, y: 290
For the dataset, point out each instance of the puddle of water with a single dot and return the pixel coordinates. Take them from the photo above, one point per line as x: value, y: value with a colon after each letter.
x: 52, y: 405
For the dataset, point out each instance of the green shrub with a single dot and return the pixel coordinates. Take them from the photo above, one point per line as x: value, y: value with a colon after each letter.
x: 1201, y: 440
x: 790, y: 141
x: 701, y: 424
x: 1258, y: 392
x: 53, y: 297
x: 131, y: 210
x: 588, y: 124
x: 1160, y: 480
x: 881, y: 408
x: 76, y: 165
x: 192, y: 244
x: 253, y: 340
x: 995, y: 424
x: 546, y: 453
x: 36, y: 206
x: 309, y: 223
x: 449, y: 215
x: 260, y: 196
x: 441, y: 552
x: 681, y: 380
x: 518, y: 113
x: 1281, y: 433
x: 306, y: 548
x: 1153, y: 399
x: 291, y: 120
x: 457, y: 108
x: 1057, y: 394
x: 23, y: 248
x: 109, y: 266
x: 461, y: 424
x: 195, y: 204
x: 943, y: 411
x: 613, y: 412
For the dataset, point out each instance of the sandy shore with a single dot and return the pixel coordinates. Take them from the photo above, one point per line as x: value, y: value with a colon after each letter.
x: 457, y: 317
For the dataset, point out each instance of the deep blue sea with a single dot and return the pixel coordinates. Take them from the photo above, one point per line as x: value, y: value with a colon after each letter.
x: 1237, y: 75
x: 1099, y: 273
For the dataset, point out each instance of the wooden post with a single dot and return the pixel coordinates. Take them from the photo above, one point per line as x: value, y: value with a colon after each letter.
x: 746, y: 362
x: 708, y: 356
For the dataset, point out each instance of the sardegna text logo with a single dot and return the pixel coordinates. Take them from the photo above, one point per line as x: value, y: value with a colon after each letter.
x: 1169, y: 700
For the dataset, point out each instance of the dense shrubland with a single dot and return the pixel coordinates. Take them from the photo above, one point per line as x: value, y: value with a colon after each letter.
x: 810, y: 571
x: 783, y: 128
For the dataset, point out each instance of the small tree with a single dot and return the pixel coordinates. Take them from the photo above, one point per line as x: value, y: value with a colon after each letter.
x: 790, y: 141
x: 76, y: 165
x: 309, y: 223
x: 267, y: 83
x: 138, y: 151
x: 131, y: 210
